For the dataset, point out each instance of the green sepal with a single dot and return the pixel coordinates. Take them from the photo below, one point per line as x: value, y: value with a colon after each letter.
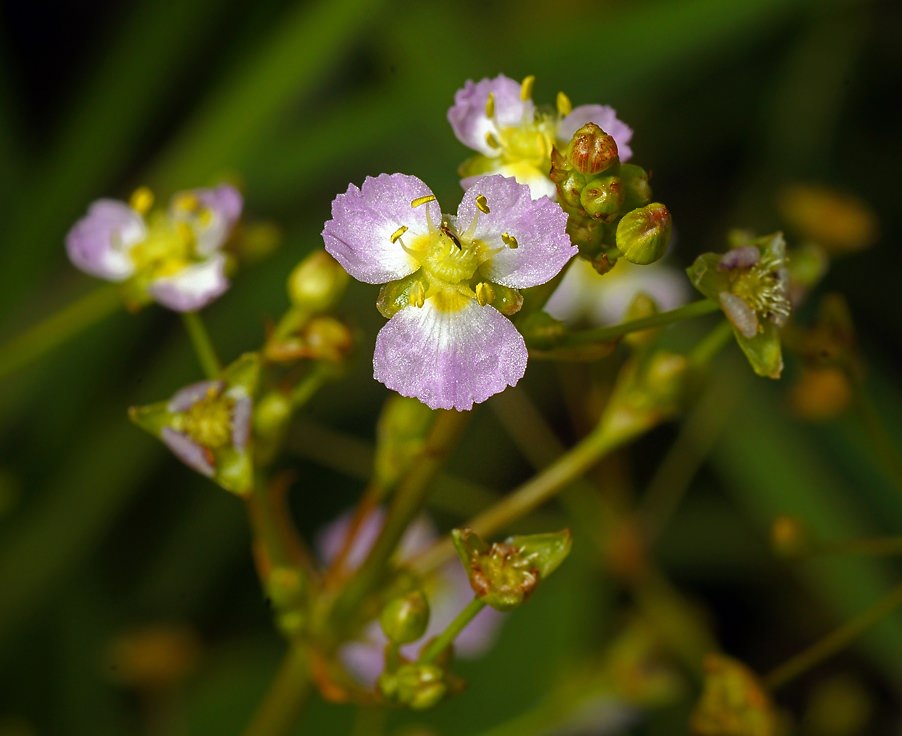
x: 763, y: 350
x: 546, y: 551
x: 706, y: 278
x: 508, y: 301
x: 243, y: 373
x: 636, y: 189
x: 395, y: 295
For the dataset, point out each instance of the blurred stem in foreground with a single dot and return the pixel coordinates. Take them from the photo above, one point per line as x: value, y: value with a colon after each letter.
x: 281, y: 707
x: 41, y: 338
x: 203, y: 345
x: 834, y: 642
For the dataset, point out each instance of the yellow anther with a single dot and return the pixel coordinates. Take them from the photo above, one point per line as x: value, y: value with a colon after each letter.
x: 564, y: 106
x: 184, y: 231
x: 187, y: 202
x: 491, y: 140
x: 485, y: 294
x: 509, y: 240
x: 205, y: 217
x: 141, y: 200
x: 423, y: 200
x: 396, y: 235
x: 490, y: 105
x: 526, y: 88
x: 418, y: 294
x: 483, y: 204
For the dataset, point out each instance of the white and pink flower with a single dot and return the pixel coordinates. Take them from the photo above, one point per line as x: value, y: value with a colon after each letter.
x: 446, y: 343
x: 173, y: 257
x: 498, y: 119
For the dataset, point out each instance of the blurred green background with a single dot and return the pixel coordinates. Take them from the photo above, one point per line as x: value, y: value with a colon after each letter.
x: 102, y: 533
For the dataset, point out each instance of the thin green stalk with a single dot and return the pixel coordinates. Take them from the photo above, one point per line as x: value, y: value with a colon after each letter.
x: 41, y: 338
x: 711, y: 344
x: 280, y: 710
x: 406, y: 504
x: 874, y: 547
x: 310, y: 384
x: 614, y: 332
x: 447, y: 637
x: 203, y: 345
x: 834, y: 642
x: 532, y: 494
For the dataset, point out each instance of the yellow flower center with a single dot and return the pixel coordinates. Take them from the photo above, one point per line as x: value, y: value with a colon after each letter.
x: 209, y: 421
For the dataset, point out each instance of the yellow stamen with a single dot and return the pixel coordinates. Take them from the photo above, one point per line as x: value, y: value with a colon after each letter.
x: 564, y: 106
x: 485, y: 294
x: 141, y: 200
x: 187, y: 202
x: 526, y: 88
x: 482, y: 204
x: 491, y: 140
x: 205, y: 217
x: 509, y: 240
x: 396, y: 235
x: 490, y: 105
x: 418, y: 294
x: 422, y: 200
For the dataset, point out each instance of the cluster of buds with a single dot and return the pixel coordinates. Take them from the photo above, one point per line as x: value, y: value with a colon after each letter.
x: 208, y: 424
x: 609, y: 203
x: 750, y: 282
x: 505, y: 574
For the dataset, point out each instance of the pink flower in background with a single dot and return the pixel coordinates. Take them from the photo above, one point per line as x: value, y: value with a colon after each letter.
x: 173, y: 257
x: 448, y: 592
x: 498, y: 119
x: 447, y: 342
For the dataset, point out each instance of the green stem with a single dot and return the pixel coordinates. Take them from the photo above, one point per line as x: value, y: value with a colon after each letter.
x: 447, y: 637
x: 203, y: 345
x: 875, y: 547
x: 59, y: 327
x: 278, y: 714
x: 406, y: 504
x: 614, y: 332
x: 711, y: 344
x: 310, y: 384
x: 532, y: 494
x: 834, y: 642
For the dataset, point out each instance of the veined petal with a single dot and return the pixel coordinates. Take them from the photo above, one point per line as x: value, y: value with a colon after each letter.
x: 188, y: 451
x: 193, y: 287
x: 364, y: 221
x: 449, y: 359
x: 605, y: 117
x: 99, y: 242
x: 538, y: 225
x: 468, y: 114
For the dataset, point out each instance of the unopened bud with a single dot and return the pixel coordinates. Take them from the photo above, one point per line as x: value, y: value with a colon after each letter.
x: 327, y: 338
x: 401, y: 435
x: 636, y: 189
x: 505, y: 574
x: 603, y: 198
x: 417, y: 686
x: 405, y: 618
x: 317, y: 282
x: 591, y: 150
x: 271, y: 414
x: 644, y: 233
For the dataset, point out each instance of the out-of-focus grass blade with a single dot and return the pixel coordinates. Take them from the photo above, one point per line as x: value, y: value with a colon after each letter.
x: 96, y: 138
x: 772, y: 468
x: 296, y: 57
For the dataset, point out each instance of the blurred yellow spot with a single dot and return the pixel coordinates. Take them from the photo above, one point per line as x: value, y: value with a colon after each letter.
x: 482, y: 204
x: 820, y: 393
x: 141, y: 200
x: 839, y: 222
x: 733, y: 701
x: 787, y: 536
x: 564, y: 106
x: 187, y: 202
x: 153, y: 656
x: 526, y: 88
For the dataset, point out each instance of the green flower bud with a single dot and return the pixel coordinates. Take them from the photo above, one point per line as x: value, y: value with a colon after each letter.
x: 603, y: 198
x: 404, y: 619
x: 644, y: 233
x: 271, y: 414
x: 400, y: 437
x: 317, y: 282
x: 591, y: 150
x: 542, y: 331
x: 642, y: 305
x: 417, y: 686
x: 505, y: 574
x: 636, y: 189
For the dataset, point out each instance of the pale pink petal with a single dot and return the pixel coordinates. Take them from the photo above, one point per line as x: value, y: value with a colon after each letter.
x: 536, y: 179
x: 193, y: 287
x: 186, y: 397
x: 188, y: 451
x: 539, y: 226
x: 100, y: 242
x: 212, y: 228
x: 449, y: 360
x: 471, y: 124
x: 359, y: 235
x: 604, y: 117
x: 241, y: 422
x: 225, y: 201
